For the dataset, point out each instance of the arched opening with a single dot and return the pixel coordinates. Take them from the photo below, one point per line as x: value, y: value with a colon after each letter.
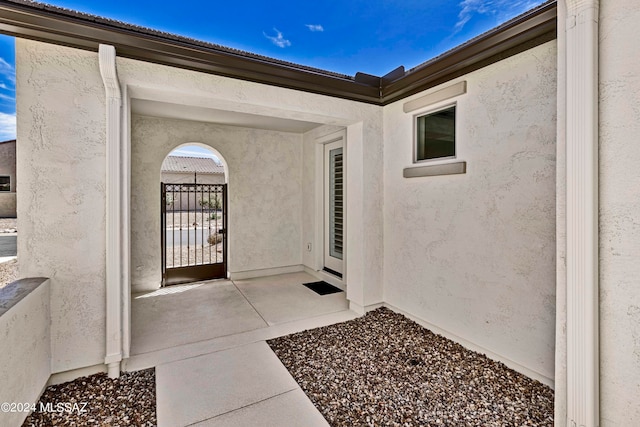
x: 193, y: 215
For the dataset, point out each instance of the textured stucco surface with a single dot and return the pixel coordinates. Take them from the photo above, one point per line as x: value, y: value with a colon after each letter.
x: 619, y: 213
x: 474, y: 254
x: 61, y: 159
x: 264, y: 193
x: 25, y: 341
x: 560, y: 383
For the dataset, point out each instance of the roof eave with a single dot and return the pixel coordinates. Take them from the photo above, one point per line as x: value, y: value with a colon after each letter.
x: 22, y: 20
x: 529, y: 30
x: 518, y: 35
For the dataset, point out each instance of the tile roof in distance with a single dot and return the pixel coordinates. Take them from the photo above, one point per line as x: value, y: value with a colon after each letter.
x: 191, y: 164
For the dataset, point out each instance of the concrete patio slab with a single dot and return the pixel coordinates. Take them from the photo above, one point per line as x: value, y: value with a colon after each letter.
x: 155, y: 358
x: 200, y: 388
x: 282, y: 298
x: 184, y: 314
x: 292, y: 409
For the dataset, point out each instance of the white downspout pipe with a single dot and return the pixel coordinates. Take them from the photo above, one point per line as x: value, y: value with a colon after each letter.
x: 582, y: 212
x: 113, y: 357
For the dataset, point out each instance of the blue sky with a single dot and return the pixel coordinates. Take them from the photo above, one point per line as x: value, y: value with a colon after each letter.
x: 345, y: 36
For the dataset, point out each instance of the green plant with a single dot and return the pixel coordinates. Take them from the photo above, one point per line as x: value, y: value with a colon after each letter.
x: 211, y: 202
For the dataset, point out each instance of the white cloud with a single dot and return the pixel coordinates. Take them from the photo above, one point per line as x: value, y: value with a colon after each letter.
x: 7, y: 71
x: 314, y: 28
x: 7, y: 97
x: 7, y: 126
x: 500, y: 9
x: 278, y: 39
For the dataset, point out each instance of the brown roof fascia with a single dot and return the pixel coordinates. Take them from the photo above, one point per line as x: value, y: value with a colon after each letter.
x: 524, y: 32
x: 53, y: 25
x: 29, y: 21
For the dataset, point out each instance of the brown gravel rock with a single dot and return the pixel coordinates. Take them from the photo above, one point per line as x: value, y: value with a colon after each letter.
x: 99, y: 401
x: 386, y: 370
x: 8, y: 272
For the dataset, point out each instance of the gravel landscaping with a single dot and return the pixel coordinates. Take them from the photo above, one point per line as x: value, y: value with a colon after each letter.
x: 99, y: 401
x: 182, y: 256
x: 8, y: 269
x: 386, y: 370
x: 8, y: 225
x: 8, y: 272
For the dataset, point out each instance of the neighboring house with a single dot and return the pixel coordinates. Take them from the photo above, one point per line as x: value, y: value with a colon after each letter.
x: 8, y: 183
x: 491, y: 192
x: 188, y: 170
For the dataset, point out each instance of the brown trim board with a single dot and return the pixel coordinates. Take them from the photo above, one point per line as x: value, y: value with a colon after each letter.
x: 50, y: 24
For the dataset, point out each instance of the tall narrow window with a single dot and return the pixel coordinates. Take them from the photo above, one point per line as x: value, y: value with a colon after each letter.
x: 5, y: 183
x: 335, y: 203
x: 436, y: 135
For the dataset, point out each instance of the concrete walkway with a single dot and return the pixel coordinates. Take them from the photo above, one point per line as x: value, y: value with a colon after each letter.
x: 243, y: 386
x: 207, y: 343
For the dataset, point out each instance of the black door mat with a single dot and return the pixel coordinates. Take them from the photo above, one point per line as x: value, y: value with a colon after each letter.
x: 322, y: 288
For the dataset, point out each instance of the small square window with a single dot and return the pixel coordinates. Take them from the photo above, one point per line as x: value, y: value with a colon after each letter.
x: 5, y: 183
x: 436, y: 135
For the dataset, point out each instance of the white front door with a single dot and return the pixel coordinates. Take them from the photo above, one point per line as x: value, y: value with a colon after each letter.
x: 334, y: 206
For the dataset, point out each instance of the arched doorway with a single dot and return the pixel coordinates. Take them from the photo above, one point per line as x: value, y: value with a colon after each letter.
x: 193, y: 194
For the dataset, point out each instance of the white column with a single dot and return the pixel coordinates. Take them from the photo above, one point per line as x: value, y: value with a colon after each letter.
x: 113, y: 357
x: 582, y: 212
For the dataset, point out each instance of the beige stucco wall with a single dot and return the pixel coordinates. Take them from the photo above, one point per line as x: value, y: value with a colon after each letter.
x: 619, y: 213
x: 264, y: 193
x: 25, y: 359
x: 474, y: 254
x: 8, y: 168
x: 61, y: 159
x: 560, y: 383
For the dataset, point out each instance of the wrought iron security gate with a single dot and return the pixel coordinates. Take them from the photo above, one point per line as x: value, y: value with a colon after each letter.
x: 193, y: 232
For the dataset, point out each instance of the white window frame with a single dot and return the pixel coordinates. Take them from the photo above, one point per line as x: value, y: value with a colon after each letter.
x: 10, y: 182
x: 428, y: 112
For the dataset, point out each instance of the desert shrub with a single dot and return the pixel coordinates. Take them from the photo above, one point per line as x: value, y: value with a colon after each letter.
x: 214, y: 239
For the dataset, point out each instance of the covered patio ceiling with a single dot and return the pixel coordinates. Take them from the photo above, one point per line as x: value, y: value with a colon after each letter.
x: 168, y: 110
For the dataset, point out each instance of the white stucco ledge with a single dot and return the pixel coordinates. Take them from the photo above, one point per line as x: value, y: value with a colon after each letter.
x: 434, y: 170
x: 443, y: 94
x: 25, y: 340
x: 16, y: 291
